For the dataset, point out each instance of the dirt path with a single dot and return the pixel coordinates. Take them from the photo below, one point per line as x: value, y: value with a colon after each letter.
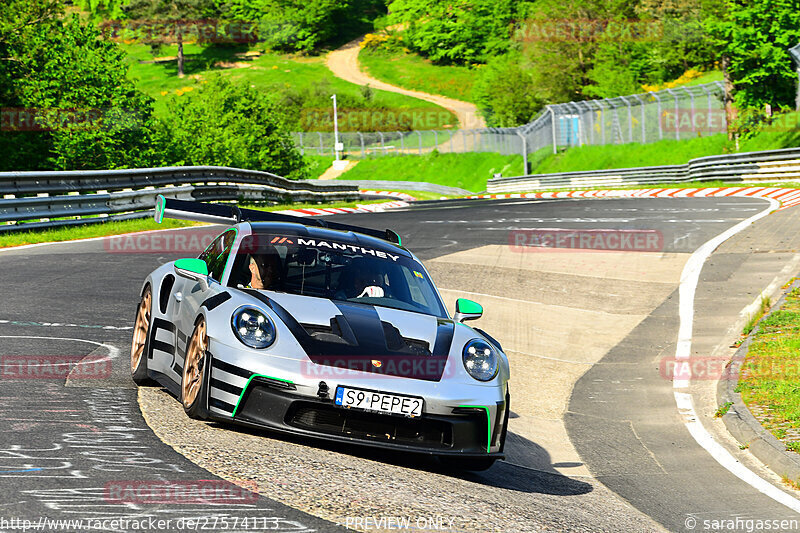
x: 343, y: 62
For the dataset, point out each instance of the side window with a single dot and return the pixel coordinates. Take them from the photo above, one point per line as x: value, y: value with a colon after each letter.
x: 216, y: 255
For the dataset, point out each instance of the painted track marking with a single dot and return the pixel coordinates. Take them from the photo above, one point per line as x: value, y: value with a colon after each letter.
x: 113, y: 351
x: 689, y: 279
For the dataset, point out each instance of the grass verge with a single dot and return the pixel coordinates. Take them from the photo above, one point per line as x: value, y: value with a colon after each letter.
x: 467, y: 171
x: 88, y: 231
x: 411, y: 71
x: 262, y: 70
x: 769, y: 374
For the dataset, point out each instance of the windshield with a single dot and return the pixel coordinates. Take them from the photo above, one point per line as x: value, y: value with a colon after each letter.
x: 334, y: 270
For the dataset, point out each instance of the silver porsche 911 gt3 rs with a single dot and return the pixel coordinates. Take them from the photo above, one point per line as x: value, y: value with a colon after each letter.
x: 320, y: 329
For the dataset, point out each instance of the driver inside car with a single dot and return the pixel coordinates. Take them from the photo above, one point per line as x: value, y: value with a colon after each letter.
x: 264, y: 271
x: 360, y: 281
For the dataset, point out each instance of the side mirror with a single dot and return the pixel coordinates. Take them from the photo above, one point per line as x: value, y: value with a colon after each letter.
x: 467, y: 310
x: 193, y: 269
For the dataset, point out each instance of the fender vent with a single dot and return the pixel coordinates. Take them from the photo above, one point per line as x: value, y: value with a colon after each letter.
x: 166, y: 290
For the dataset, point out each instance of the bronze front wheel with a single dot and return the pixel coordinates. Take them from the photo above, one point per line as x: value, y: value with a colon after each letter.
x: 141, y: 333
x: 194, y: 368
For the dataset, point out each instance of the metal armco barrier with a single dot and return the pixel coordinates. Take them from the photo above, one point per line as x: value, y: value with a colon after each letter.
x: 773, y: 165
x: 48, y: 199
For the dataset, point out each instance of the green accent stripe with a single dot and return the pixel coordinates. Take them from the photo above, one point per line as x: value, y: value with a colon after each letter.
x: 247, y: 385
x: 488, y: 424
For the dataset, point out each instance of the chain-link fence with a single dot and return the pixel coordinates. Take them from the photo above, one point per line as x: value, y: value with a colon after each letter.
x: 678, y: 113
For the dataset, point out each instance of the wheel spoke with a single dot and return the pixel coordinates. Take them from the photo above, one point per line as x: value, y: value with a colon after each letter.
x: 140, y: 330
x: 192, y: 373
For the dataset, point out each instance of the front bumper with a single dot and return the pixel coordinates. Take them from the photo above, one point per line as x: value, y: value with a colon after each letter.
x: 467, y: 432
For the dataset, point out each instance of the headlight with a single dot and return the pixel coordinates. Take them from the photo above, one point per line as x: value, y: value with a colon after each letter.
x: 253, y: 328
x: 480, y: 360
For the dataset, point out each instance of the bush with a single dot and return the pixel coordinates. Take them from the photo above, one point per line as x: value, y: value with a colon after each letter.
x: 231, y: 125
x: 505, y: 93
x: 88, y: 114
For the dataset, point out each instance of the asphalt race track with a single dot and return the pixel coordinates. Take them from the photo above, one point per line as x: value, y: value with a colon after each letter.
x: 624, y: 460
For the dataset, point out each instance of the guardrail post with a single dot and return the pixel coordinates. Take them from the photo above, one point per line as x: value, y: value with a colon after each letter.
x: 302, y: 149
x: 402, y: 146
x: 553, y: 127
x: 363, y: 150
x: 382, y: 143
x: 321, y: 147
x: 419, y: 135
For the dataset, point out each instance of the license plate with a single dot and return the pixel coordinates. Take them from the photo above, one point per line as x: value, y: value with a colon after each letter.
x: 379, y: 402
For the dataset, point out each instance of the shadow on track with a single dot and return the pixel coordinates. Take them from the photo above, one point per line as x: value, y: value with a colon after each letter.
x: 503, y: 475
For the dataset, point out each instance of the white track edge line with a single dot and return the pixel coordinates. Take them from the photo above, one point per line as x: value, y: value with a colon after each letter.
x: 683, y: 400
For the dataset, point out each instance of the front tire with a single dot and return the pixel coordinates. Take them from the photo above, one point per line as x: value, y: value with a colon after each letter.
x: 140, y: 345
x: 195, y: 368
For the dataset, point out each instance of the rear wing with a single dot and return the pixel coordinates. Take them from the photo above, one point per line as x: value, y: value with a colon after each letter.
x: 232, y: 214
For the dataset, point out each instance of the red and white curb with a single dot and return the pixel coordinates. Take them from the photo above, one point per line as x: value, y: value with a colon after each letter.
x: 395, y: 194
x: 786, y: 197
x: 369, y: 208
x: 402, y: 201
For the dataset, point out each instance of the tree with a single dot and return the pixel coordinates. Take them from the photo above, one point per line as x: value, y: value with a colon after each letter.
x: 457, y: 31
x: 68, y: 103
x: 683, y: 41
x: 505, y: 94
x: 169, y: 17
x: 753, y: 37
x: 305, y: 25
x: 101, y: 10
x: 231, y: 125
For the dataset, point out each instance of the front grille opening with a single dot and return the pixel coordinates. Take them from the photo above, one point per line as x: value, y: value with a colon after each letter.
x: 370, y: 426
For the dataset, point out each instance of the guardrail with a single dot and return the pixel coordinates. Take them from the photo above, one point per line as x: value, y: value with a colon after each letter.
x: 768, y: 166
x: 49, y: 199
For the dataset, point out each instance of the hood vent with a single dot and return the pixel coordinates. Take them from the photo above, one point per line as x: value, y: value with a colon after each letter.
x: 397, y: 343
x: 335, y: 332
